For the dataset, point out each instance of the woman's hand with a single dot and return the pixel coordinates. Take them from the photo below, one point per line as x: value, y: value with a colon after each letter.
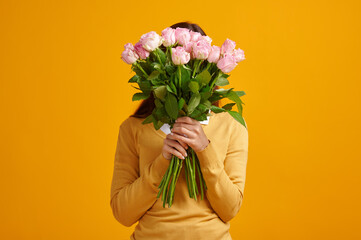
x: 172, y: 147
x: 190, y: 132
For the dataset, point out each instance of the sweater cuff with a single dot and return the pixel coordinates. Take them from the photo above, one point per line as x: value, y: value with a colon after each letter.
x: 209, y: 160
x: 158, y: 169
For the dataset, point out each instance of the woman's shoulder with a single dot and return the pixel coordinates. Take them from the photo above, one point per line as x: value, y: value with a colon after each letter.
x: 132, y: 122
x: 227, y: 118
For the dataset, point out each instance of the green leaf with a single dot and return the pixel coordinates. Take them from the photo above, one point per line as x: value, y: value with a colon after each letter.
x: 157, y: 124
x: 201, y: 117
x: 145, y: 66
x: 170, y: 69
x: 173, y: 88
x: 228, y: 106
x: 186, y: 77
x: 186, y: 67
x: 217, y: 109
x: 169, y: 89
x: 145, y: 86
x: 181, y: 103
x: 204, y: 77
x: 238, y: 117
x: 215, y: 97
x: 234, y: 97
x: 153, y: 75
x: 139, y: 96
x: 160, y: 112
x: 171, y: 105
x: 225, y: 75
x: 148, y: 119
x: 156, y: 66
x: 205, y: 96
x: 193, y: 86
x: 195, y: 114
x: 158, y: 103
x: 240, y: 93
x: 202, y: 108
x: 135, y: 78
x: 161, y: 55
x: 135, y: 87
x: 193, y: 102
x: 207, y: 103
x: 223, y: 91
x: 160, y: 92
x: 221, y: 81
x: 157, y: 82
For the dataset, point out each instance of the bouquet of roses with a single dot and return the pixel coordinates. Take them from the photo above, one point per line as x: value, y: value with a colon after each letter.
x: 181, y: 69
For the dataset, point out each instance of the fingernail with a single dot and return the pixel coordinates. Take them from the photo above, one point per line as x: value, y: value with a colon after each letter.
x: 183, y: 157
x: 186, y: 154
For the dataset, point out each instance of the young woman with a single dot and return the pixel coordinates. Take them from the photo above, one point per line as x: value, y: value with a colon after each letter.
x: 143, y: 155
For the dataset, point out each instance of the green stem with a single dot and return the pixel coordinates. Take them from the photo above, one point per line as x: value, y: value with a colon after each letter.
x: 194, y: 174
x: 187, y: 175
x: 161, y: 63
x: 208, y: 65
x: 198, y: 62
x: 166, y: 53
x: 180, y: 79
x: 167, y: 180
x: 190, y: 175
x: 214, y: 80
x: 200, y: 180
x: 172, y: 185
x: 180, y: 161
x: 141, y: 69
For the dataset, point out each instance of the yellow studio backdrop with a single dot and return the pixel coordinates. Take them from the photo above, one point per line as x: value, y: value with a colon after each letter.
x: 64, y: 92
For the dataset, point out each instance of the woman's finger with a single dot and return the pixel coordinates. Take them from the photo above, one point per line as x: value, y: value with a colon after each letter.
x: 181, y: 138
x: 183, y: 131
x: 173, y: 151
x: 170, y: 136
x: 177, y: 145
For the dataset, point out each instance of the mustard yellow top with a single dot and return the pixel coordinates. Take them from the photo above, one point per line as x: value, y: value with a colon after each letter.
x: 138, y: 170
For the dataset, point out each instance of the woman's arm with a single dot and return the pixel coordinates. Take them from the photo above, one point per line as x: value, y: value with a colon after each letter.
x: 131, y: 195
x: 226, y: 182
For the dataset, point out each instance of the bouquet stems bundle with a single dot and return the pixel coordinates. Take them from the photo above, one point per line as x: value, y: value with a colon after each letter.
x: 172, y: 174
x: 181, y: 69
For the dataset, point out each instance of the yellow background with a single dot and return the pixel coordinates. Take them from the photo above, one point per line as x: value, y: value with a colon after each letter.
x: 64, y: 93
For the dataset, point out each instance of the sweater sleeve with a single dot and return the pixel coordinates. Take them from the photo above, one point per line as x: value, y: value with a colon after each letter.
x: 226, y: 182
x: 132, y: 195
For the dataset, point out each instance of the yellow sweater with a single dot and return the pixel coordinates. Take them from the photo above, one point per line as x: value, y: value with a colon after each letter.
x: 138, y: 170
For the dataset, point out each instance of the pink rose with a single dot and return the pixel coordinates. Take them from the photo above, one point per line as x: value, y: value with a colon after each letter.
x: 214, y: 54
x: 180, y: 56
x: 151, y: 40
x: 238, y: 54
x: 195, y: 36
x: 129, y: 56
x: 129, y: 45
x: 227, y: 46
x: 188, y: 47
x: 168, y: 35
x: 182, y: 35
x: 142, y: 53
x: 227, y: 63
x: 201, y: 49
x: 207, y: 39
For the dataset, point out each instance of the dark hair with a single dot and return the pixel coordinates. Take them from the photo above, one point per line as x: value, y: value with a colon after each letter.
x: 147, y: 105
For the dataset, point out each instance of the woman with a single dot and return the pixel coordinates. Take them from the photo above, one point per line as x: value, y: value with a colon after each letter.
x: 143, y: 155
